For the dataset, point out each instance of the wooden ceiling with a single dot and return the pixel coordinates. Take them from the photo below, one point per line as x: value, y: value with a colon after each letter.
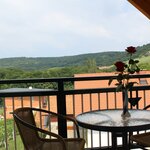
x: 142, y: 5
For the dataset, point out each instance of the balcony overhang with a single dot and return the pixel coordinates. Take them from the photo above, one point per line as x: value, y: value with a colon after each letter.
x: 142, y: 5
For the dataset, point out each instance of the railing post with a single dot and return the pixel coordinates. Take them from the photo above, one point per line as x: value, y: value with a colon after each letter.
x: 61, y: 108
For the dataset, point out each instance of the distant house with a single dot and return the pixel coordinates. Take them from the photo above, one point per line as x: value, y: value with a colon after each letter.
x: 104, y: 83
x: 104, y: 97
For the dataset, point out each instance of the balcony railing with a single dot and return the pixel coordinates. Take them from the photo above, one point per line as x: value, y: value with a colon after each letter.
x: 65, y: 101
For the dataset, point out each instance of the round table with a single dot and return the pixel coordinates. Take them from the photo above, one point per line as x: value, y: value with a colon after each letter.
x: 111, y: 121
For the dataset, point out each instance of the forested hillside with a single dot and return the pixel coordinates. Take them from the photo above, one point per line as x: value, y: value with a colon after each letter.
x: 25, y: 68
x: 43, y: 63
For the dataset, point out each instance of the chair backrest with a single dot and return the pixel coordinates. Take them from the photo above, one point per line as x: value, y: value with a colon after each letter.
x: 29, y: 136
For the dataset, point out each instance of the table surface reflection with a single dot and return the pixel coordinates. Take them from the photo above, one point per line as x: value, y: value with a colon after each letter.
x: 111, y: 120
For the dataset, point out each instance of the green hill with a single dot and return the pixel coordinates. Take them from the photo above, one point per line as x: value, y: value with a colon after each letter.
x: 102, y: 59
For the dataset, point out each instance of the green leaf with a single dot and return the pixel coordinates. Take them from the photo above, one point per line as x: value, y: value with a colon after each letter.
x: 131, y: 61
x: 136, y: 61
x: 119, y: 77
x: 110, y: 81
x: 126, y: 66
x: 130, y: 85
x: 137, y: 69
x: 119, y: 87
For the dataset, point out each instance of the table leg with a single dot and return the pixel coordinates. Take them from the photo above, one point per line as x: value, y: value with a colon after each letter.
x: 124, y: 136
x: 114, y: 141
x: 125, y: 141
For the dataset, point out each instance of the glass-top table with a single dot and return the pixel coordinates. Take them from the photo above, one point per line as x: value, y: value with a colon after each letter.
x: 111, y: 121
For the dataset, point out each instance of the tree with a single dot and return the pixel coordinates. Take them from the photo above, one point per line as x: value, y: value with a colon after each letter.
x: 91, y: 65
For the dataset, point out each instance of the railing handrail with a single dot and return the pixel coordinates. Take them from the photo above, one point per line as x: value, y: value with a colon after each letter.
x: 67, y: 79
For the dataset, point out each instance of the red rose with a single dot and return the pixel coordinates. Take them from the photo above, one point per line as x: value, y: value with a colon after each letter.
x: 131, y: 49
x: 120, y: 66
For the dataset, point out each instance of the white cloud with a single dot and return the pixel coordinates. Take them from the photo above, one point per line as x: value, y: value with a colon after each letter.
x: 68, y: 27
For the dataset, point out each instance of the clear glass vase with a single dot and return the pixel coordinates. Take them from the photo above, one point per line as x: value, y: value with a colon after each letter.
x: 125, y: 112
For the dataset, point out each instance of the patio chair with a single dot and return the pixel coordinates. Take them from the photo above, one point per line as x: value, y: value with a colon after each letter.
x: 30, y: 133
x: 142, y: 139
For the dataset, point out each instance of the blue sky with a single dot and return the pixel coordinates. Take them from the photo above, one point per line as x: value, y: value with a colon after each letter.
x: 52, y: 28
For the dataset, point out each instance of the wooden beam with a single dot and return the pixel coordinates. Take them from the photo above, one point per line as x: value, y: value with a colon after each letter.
x: 142, y: 5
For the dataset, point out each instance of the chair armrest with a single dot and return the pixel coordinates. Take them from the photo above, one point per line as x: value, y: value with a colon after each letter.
x: 75, y: 123
x: 61, y: 117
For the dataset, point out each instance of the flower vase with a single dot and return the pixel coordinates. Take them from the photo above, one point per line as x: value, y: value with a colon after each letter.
x: 125, y: 112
